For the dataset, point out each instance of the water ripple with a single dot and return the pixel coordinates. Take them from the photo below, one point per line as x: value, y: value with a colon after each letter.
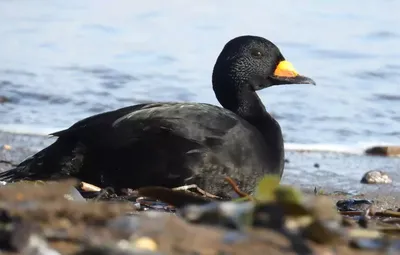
x: 110, y: 78
x: 383, y: 34
x: 378, y: 74
x: 34, y: 98
x: 341, y: 54
x: 17, y: 73
x: 387, y: 97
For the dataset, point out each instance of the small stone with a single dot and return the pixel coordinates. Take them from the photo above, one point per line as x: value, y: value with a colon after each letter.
x: 125, y: 224
x: 74, y: 195
x: 38, y: 245
x: 4, y: 99
x: 353, y: 204
x: 316, y: 165
x: 230, y: 214
x: 137, y: 206
x: 232, y: 237
x: 376, y: 177
x: 145, y: 243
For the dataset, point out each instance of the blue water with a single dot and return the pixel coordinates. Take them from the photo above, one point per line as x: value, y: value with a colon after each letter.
x: 65, y: 60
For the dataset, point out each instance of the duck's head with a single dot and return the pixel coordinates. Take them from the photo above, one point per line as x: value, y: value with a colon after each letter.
x: 254, y: 63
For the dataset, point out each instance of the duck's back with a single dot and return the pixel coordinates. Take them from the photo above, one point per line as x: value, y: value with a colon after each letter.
x: 168, y: 144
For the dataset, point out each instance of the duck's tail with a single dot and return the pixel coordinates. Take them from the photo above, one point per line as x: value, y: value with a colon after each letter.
x: 58, y: 160
x: 26, y: 169
x: 10, y: 175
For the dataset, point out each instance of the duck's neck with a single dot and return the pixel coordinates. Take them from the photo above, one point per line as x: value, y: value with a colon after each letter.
x: 248, y: 106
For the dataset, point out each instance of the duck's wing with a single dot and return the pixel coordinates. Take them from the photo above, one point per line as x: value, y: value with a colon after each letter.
x: 157, y: 128
x: 192, y: 121
x: 171, y: 143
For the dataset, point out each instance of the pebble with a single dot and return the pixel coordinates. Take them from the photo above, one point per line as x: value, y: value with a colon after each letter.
x: 126, y: 224
x: 230, y: 214
x: 4, y: 99
x: 74, y: 195
x: 7, y: 147
x: 353, y: 204
x: 231, y: 237
x: 145, y: 243
x: 376, y: 177
x: 37, y: 246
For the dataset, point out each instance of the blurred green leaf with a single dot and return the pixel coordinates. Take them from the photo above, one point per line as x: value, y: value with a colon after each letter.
x: 288, y: 195
x: 265, y: 190
x: 291, y: 200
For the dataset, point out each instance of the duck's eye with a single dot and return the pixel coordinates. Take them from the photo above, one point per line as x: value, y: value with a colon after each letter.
x: 256, y: 53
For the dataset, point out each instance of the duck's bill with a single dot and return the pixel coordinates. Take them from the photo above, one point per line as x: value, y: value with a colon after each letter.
x: 285, y: 73
x: 299, y: 79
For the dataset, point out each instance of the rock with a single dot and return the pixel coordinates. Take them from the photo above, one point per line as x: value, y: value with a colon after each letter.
x: 4, y: 99
x: 38, y: 246
x: 383, y: 151
x: 230, y: 215
x: 353, y: 204
x: 74, y: 195
x: 376, y: 177
x: 37, y: 219
x: 145, y: 243
x: 128, y: 224
x: 27, y: 239
x: 7, y: 147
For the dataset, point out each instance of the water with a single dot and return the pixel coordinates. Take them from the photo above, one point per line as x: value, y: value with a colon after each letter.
x: 65, y: 60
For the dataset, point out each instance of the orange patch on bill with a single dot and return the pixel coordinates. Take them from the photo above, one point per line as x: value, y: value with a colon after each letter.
x: 285, y: 69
